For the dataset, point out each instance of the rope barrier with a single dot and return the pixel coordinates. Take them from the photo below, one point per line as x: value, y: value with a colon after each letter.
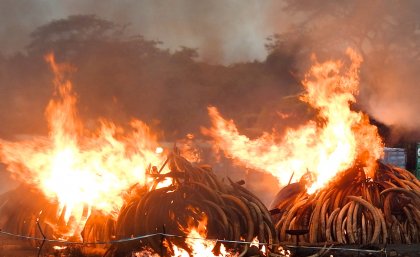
x: 58, y: 241
x: 338, y: 248
x: 79, y: 243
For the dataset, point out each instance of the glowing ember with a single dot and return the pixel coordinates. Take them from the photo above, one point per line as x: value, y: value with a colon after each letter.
x: 81, y: 169
x: 325, y: 147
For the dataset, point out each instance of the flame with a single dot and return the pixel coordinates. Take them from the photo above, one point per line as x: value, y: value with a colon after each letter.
x: 256, y: 243
x: 190, y: 149
x: 197, y: 242
x: 283, y: 252
x: 332, y: 143
x: 199, y: 245
x: 81, y: 169
x: 59, y: 248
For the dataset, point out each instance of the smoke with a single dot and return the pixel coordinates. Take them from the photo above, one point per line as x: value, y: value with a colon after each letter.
x: 394, y: 98
x: 387, y: 34
x: 223, y: 31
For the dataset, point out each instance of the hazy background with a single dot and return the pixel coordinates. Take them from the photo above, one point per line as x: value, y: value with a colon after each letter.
x: 164, y: 62
x: 224, y: 31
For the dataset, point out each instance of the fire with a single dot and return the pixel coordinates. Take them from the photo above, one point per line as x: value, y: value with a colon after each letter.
x: 256, y: 243
x: 199, y: 245
x: 81, y: 169
x: 190, y: 148
x: 334, y: 142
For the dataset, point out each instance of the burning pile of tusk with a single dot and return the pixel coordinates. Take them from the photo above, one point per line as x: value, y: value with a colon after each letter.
x: 355, y: 210
x: 233, y: 213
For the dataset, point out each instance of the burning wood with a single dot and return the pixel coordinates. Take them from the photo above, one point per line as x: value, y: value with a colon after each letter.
x: 354, y: 209
x: 231, y: 211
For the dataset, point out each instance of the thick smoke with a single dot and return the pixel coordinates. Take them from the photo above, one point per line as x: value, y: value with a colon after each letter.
x: 223, y: 31
x: 394, y: 99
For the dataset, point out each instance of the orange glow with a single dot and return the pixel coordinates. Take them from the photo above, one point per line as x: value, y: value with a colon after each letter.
x: 324, y: 147
x: 81, y: 169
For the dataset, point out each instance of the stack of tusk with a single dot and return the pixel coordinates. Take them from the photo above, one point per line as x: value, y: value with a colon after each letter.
x: 356, y: 210
x: 233, y: 212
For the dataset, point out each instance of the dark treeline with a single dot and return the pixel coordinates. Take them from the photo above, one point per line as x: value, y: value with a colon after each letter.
x: 119, y: 76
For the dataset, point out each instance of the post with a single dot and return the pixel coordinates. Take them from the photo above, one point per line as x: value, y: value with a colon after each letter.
x: 162, y: 242
x: 418, y: 161
x: 43, y: 237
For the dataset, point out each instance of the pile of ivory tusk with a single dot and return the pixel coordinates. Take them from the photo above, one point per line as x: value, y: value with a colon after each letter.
x: 232, y: 212
x: 354, y: 209
x: 26, y: 211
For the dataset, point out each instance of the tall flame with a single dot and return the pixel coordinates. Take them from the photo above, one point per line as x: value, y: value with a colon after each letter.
x: 76, y: 167
x: 324, y: 147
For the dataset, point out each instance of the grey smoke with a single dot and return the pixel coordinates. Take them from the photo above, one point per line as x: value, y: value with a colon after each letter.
x: 223, y: 31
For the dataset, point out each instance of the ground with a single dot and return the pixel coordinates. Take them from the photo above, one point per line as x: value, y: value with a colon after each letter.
x: 20, y: 248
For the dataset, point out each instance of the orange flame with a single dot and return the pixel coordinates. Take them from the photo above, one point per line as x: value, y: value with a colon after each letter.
x: 325, y: 147
x: 79, y: 168
x: 199, y: 245
x: 189, y: 149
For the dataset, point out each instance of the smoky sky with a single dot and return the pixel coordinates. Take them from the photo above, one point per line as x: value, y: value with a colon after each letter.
x: 223, y: 31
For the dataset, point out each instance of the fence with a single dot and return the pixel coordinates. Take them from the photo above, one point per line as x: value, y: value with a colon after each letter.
x: 44, y: 239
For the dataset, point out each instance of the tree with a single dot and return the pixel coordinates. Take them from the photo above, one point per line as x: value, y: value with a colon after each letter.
x: 70, y: 34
